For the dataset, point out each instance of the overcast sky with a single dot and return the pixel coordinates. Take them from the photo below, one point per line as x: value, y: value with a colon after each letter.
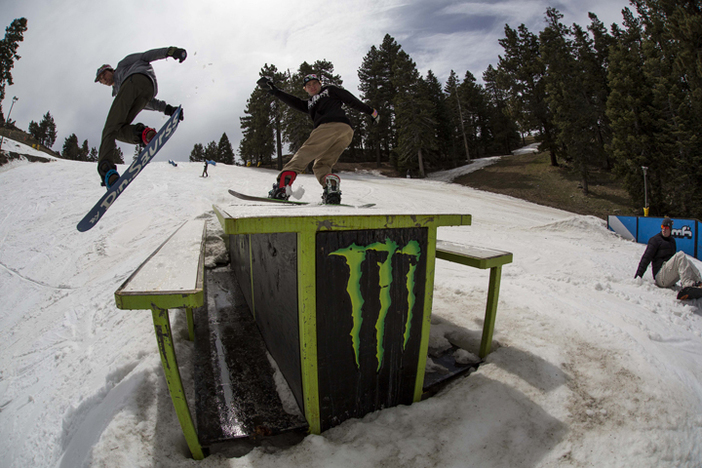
x: 229, y: 41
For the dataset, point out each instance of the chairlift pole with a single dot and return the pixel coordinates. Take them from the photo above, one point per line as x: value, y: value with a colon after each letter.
x: 645, y: 191
x: 2, y: 137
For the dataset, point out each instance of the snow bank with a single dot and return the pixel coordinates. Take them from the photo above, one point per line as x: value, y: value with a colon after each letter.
x: 590, y: 366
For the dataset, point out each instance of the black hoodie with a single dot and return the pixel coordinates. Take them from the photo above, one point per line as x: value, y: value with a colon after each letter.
x: 660, y: 249
x: 325, y: 106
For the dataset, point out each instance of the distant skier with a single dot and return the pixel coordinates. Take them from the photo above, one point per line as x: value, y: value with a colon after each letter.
x: 331, y: 135
x: 204, y: 172
x: 668, y: 266
x: 134, y: 88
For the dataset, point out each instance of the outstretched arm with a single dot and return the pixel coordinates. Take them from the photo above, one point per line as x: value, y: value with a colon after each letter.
x: 295, y: 102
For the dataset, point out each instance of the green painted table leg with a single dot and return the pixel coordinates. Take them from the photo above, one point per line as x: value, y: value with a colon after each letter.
x: 307, y: 316
x: 164, y: 338
x: 490, y: 310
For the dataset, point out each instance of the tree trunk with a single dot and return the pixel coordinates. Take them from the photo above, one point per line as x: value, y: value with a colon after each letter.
x: 279, y: 145
x: 420, y: 161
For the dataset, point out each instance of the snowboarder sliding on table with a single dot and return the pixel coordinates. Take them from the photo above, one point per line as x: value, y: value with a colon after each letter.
x: 331, y: 135
x: 134, y: 88
x: 668, y: 266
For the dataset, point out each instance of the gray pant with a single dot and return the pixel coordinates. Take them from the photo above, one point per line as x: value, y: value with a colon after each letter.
x: 678, y: 267
x: 324, y: 146
x: 134, y: 94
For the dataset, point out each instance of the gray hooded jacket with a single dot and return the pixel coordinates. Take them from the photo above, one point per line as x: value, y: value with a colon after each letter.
x: 140, y: 63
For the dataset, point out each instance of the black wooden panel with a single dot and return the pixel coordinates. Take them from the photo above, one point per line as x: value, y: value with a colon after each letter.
x: 240, y: 264
x: 380, y: 371
x: 274, y: 263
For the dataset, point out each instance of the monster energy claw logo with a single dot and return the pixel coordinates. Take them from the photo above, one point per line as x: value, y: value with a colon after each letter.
x: 355, y: 256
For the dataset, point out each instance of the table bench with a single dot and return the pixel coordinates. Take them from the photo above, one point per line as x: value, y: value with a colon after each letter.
x: 481, y: 258
x: 171, y: 278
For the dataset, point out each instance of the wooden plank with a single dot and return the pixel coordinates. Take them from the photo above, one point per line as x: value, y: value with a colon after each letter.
x: 172, y: 276
x: 475, y: 257
x: 290, y: 219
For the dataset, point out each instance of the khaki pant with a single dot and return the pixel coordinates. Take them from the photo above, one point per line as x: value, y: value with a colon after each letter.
x: 134, y: 94
x: 324, y: 146
x: 678, y: 267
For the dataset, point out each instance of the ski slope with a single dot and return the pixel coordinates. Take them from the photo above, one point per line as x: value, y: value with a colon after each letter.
x: 593, y: 367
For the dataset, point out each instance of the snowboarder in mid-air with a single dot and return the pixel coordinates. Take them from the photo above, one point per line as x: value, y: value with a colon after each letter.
x: 331, y: 135
x: 134, y: 88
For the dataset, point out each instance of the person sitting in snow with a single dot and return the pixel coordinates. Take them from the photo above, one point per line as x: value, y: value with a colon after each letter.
x: 134, y: 87
x: 331, y: 135
x: 668, y: 266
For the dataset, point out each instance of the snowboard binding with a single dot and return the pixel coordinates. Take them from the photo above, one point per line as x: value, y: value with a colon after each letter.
x: 282, y: 188
x: 332, y: 192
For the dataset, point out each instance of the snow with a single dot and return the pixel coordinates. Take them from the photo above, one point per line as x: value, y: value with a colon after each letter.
x: 590, y: 366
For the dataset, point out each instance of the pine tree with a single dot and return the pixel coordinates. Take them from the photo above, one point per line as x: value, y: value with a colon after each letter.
x: 119, y: 156
x: 212, y: 152
x: 460, y: 150
x: 566, y: 95
x: 83, y: 151
x: 415, y: 125
x: 198, y: 153
x: 45, y: 131
x: 522, y: 71
x: 277, y: 110
x: 70, y: 149
x: 378, y: 87
x: 225, y: 151
x: 257, y: 144
x: 440, y: 115
x: 474, y: 111
x: 14, y: 34
x: 504, y: 128
x: 48, y: 129
x: 93, y: 155
x: 655, y: 105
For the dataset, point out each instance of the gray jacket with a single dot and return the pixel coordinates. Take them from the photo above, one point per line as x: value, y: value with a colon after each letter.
x: 140, y: 63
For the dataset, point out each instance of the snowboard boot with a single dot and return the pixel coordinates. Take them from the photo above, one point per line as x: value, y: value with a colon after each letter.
x: 143, y: 134
x: 690, y: 293
x: 108, y: 173
x: 283, y: 187
x: 332, y: 192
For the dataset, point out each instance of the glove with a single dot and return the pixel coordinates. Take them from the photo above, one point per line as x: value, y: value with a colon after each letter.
x: 266, y: 83
x: 375, y: 117
x: 170, y: 110
x: 176, y: 53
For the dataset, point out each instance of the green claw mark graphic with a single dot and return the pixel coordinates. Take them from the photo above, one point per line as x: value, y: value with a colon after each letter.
x: 385, y: 299
x: 414, y: 250
x: 355, y: 256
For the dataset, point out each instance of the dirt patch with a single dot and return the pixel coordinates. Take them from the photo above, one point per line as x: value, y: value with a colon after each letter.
x: 531, y: 177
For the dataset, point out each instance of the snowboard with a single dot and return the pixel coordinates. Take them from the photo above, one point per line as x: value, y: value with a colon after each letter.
x: 156, y: 143
x: 690, y: 293
x: 290, y: 202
